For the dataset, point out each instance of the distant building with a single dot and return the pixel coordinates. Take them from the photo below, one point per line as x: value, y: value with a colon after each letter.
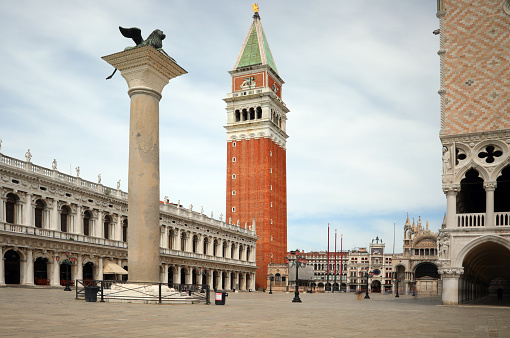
x: 416, y: 268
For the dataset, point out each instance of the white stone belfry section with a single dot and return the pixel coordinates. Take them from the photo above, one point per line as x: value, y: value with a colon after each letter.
x: 146, y: 71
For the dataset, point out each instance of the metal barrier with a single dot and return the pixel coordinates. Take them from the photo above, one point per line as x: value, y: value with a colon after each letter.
x: 144, y: 291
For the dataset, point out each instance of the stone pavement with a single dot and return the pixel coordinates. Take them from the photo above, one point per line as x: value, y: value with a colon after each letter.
x: 30, y: 312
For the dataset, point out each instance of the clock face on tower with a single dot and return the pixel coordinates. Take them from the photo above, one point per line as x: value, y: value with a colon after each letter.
x: 376, y: 251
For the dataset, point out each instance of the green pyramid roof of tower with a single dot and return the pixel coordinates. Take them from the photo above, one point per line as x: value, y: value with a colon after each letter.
x: 255, y: 49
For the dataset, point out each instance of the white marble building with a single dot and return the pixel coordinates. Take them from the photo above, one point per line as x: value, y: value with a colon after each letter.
x: 53, y: 225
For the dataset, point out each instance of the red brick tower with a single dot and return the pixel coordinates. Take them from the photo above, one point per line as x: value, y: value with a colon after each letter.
x: 256, y: 149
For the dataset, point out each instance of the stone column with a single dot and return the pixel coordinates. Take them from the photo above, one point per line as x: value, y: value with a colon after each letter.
x: 177, y: 274
x: 451, y: 205
x: 79, y: 270
x: 27, y: 218
x: 55, y: 273
x: 54, y: 222
x: 99, y: 271
x: 489, y: 203
x: 165, y: 274
x: 29, y: 269
x: 450, y: 292
x: 146, y: 71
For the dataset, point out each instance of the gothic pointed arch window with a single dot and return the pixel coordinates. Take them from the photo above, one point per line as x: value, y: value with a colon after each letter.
x: 471, y: 197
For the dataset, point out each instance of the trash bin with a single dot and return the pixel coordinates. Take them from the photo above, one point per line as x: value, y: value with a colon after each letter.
x: 91, y: 293
x: 220, y: 298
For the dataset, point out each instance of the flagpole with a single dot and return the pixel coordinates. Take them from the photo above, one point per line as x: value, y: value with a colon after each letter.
x: 334, y: 283
x: 327, y: 266
x: 341, y: 260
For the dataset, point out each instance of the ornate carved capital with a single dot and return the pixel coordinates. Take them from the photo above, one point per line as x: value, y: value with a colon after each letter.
x: 490, y: 186
x: 449, y: 272
x: 451, y: 188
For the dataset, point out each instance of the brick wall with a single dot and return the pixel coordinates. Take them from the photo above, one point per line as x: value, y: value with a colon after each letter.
x: 476, y: 70
x: 260, y: 186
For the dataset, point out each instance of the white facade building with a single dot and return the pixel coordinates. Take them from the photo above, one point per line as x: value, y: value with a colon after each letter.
x: 55, y: 226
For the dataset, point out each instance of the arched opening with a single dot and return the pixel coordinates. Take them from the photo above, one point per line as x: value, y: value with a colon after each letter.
x: 486, y: 265
x: 224, y: 280
x: 248, y: 254
x: 12, y: 267
x: 125, y: 277
x: 238, y: 115
x: 215, y: 248
x: 245, y: 115
x: 88, y: 271
x: 64, y: 218
x: 106, y: 227
x: 125, y: 230
x: 170, y: 275
x: 194, y: 277
x: 471, y: 197
x: 171, y: 235
x: 427, y: 279
x: 41, y: 271
x: 224, y: 251
x: 376, y: 286
x: 86, y: 223
x: 240, y: 252
x: 195, y: 244
x: 39, y: 212
x: 232, y: 250
x: 183, y: 276
x: 215, y: 280
x: 183, y: 242
x: 252, y: 114
x: 206, y: 246
x: 259, y: 112
x: 10, y: 208
x: 501, y: 200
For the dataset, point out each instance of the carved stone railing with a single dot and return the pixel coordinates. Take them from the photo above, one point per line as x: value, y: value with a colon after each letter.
x: 192, y: 255
x: 49, y: 233
x: 502, y: 218
x: 471, y: 220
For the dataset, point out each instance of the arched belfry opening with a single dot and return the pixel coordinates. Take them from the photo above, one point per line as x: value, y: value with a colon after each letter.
x: 485, y: 264
x: 471, y: 197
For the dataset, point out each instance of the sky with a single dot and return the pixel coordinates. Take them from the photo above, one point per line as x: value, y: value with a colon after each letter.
x: 361, y: 81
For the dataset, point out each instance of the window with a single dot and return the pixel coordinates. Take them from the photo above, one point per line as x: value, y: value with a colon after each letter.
x: 233, y: 144
x: 270, y: 170
x: 233, y: 159
x: 39, y: 210
x: 271, y: 186
x: 86, y: 223
x: 64, y: 218
x: 233, y: 192
x: 10, y: 207
x: 124, y: 230
x: 233, y: 176
x: 233, y: 209
x: 270, y: 153
x: 106, y: 227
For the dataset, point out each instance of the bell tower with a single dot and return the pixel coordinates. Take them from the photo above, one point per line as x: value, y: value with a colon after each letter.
x: 256, y: 149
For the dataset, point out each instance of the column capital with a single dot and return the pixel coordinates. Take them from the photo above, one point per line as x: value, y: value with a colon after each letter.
x: 451, y: 272
x: 451, y: 188
x: 145, y: 68
x: 490, y: 186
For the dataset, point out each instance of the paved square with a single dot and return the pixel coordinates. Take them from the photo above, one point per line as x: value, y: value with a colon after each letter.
x: 29, y: 312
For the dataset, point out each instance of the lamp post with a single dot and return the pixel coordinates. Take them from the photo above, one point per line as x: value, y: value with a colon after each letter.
x: 397, y: 280
x: 297, y: 261
x: 367, y: 275
x: 271, y: 278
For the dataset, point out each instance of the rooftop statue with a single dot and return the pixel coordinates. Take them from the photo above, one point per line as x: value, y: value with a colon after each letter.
x: 155, y: 40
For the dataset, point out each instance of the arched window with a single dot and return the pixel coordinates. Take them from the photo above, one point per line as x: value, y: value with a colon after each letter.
x: 171, y: 235
x: 259, y: 113
x: 39, y: 210
x: 224, y: 249
x: 183, y: 242
x: 64, y: 218
x: 240, y: 251
x: 232, y: 250
x: 252, y: 114
x: 238, y: 115
x: 10, y: 208
x: 106, y: 227
x: 248, y: 253
x: 195, y: 243
x: 471, y: 197
x: 206, y: 245
x: 125, y: 230
x: 86, y: 223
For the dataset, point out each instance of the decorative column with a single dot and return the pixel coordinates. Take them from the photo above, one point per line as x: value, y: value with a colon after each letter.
x: 177, y: 274
x: 146, y: 71
x: 55, y: 273
x: 99, y: 271
x: 27, y: 218
x: 79, y: 269
x: 450, y: 292
x: 451, y: 204
x: 489, y: 203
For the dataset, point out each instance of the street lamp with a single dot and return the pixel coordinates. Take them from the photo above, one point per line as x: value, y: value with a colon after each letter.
x: 271, y: 278
x: 367, y: 275
x: 397, y: 280
x: 297, y: 261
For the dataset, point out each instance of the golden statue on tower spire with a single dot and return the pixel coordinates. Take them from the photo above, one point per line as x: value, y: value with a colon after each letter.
x: 256, y: 7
